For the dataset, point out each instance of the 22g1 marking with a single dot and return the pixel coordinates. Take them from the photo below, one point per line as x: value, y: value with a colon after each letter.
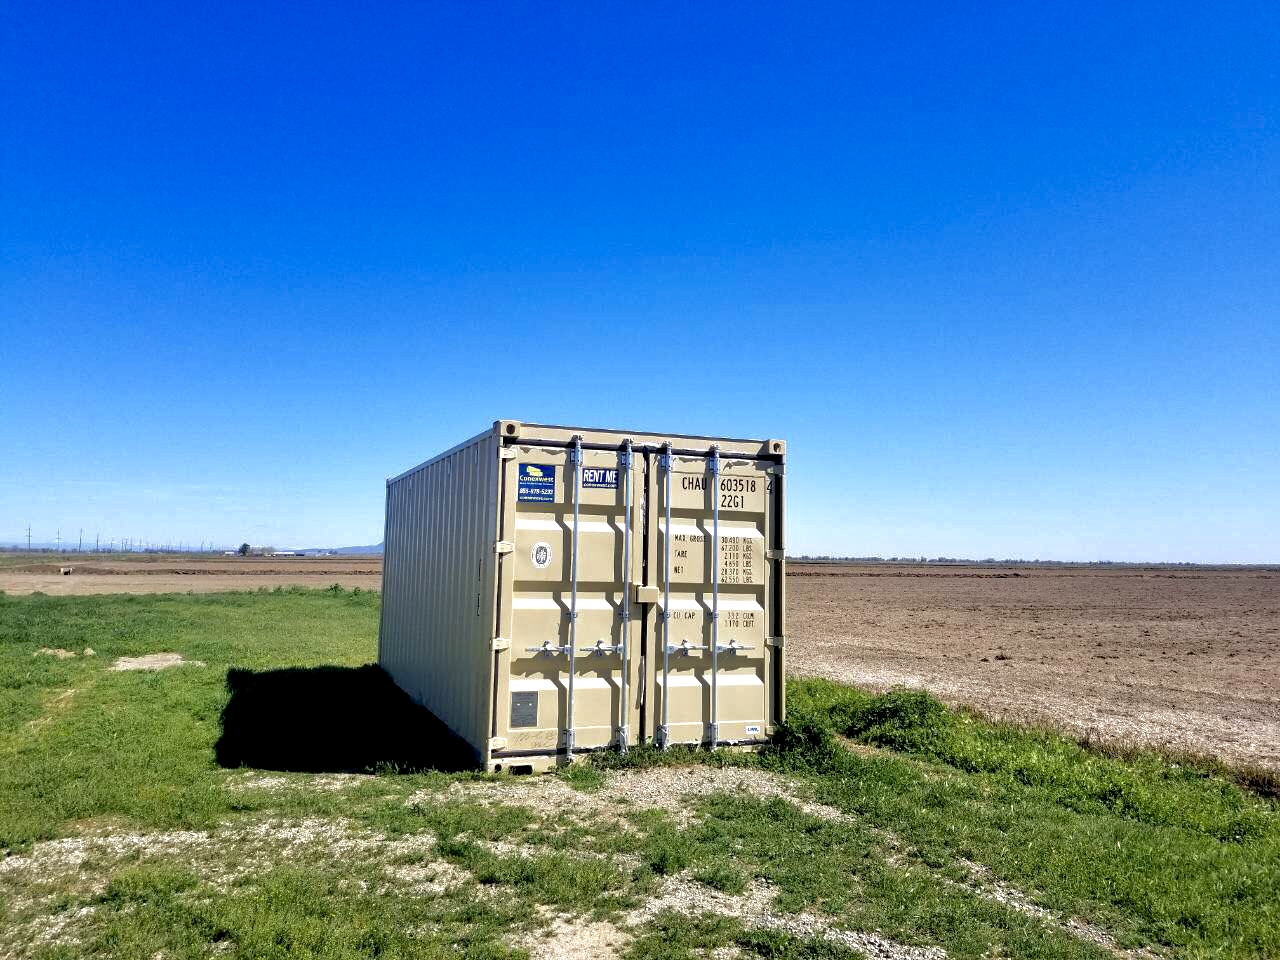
x: 732, y: 490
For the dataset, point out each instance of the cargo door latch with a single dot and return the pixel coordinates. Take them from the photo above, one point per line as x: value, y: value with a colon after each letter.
x: 549, y: 647
x: 503, y: 546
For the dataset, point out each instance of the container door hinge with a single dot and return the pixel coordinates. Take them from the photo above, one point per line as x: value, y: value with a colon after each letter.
x: 497, y: 743
x: 507, y: 453
x: 776, y: 469
x: 778, y: 642
x: 499, y: 643
x: 776, y: 554
x: 646, y: 594
x: 503, y: 546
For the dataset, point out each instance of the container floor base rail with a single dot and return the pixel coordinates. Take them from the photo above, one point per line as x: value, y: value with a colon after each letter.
x: 634, y: 579
x: 516, y: 764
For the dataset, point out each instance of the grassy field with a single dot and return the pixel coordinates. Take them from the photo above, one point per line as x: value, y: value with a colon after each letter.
x: 879, y: 826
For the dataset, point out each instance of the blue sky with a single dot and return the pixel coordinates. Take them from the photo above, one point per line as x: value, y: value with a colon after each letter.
x: 1006, y: 278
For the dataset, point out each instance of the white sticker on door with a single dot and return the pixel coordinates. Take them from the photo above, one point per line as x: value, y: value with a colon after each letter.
x: 541, y: 554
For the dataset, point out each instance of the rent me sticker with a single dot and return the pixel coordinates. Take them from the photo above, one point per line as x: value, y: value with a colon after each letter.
x: 600, y: 477
x: 537, y: 483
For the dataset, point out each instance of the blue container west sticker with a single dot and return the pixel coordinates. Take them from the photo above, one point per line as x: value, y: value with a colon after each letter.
x: 605, y: 478
x: 537, y: 483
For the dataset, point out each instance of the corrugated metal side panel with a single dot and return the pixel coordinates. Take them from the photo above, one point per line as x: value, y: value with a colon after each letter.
x: 437, y: 588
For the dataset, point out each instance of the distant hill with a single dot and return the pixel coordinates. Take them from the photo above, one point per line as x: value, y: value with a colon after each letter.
x: 373, y: 549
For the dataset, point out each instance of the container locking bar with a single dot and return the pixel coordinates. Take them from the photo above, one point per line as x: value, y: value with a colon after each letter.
x: 713, y: 484
x: 664, y: 730
x: 685, y: 647
x: 733, y: 646
x: 549, y: 646
x: 601, y: 647
x: 624, y: 464
x: 575, y: 458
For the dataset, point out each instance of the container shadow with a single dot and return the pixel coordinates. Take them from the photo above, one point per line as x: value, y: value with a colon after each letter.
x: 332, y: 720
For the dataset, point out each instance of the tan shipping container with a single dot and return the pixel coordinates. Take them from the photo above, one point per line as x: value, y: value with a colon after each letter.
x: 549, y: 591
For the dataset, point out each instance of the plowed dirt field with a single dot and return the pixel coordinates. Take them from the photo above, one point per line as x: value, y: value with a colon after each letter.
x: 1180, y: 658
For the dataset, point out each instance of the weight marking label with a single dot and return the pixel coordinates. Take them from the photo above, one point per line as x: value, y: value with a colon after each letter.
x: 537, y: 483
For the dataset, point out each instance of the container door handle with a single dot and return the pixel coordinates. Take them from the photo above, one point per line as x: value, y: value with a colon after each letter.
x: 601, y: 647
x: 685, y: 647
x: 549, y: 647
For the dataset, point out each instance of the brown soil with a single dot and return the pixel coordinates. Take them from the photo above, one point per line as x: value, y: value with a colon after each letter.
x: 182, y: 574
x: 1181, y: 658
x: 1185, y: 659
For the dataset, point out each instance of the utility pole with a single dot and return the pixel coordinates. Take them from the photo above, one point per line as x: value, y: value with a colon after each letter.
x: 97, y: 542
x: 57, y: 542
x: 80, y: 548
x: 28, y: 538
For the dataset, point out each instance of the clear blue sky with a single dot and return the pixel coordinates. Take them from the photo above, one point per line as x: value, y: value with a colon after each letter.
x: 1007, y: 278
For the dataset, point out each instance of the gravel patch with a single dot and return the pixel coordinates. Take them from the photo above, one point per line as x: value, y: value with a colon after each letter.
x: 431, y: 879
x: 669, y: 788
x: 49, y: 930
x: 35, y: 883
x: 154, y: 661
x: 754, y: 907
x: 575, y: 938
x: 325, y: 782
x: 664, y: 788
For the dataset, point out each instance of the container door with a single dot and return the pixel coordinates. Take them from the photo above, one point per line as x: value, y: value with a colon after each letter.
x: 572, y: 621
x: 709, y: 520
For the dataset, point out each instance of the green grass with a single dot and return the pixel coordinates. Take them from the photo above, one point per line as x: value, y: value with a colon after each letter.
x: 313, y: 912
x: 1165, y: 855
x: 137, y: 744
x: 1159, y: 853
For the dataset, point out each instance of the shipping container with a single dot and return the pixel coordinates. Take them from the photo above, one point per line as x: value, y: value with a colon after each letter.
x: 549, y: 591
